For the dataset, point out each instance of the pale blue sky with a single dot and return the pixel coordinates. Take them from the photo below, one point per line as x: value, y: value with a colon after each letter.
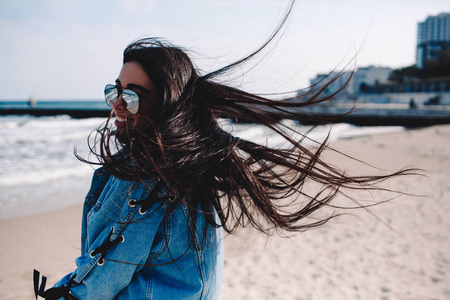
x: 69, y: 49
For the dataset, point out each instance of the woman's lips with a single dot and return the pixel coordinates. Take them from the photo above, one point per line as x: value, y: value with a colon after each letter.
x: 121, y: 121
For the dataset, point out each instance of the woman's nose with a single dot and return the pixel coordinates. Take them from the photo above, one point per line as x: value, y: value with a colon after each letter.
x: 119, y: 103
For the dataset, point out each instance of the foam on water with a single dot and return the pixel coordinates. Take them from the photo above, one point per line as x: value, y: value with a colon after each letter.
x: 41, y: 149
x: 38, y: 169
x: 264, y: 136
x: 43, y: 175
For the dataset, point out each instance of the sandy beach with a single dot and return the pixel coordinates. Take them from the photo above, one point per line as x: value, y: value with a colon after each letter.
x: 397, y: 250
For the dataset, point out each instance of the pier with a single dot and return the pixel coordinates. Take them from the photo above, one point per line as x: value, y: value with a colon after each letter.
x: 375, y: 114
x: 74, y: 108
x: 362, y: 114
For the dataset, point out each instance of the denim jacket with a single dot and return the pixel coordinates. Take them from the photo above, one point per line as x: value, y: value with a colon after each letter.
x: 129, y: 251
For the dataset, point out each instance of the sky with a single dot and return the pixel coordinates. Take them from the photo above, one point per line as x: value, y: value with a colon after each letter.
x: 69, y: 49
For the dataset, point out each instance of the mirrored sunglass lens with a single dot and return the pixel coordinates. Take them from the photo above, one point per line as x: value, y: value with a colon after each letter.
x: 111, y: 94
x: 132, y: 100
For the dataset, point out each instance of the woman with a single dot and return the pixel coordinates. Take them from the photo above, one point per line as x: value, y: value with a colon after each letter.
x: 171, y: 179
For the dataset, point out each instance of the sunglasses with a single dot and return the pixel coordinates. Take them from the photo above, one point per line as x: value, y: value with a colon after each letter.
x: 130, y: 98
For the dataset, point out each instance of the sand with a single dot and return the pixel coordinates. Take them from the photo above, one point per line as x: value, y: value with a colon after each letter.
x: 397, y: 250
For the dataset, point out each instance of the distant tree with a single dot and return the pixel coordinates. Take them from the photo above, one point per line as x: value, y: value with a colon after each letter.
x: 363, y: 87
x: 398, y: 75
x: 436, y: 67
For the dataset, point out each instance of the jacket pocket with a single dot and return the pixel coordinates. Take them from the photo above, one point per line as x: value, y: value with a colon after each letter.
x: 93, y: 212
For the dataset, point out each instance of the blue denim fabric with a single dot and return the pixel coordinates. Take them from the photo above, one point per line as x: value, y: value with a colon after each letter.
x: 139, y: 267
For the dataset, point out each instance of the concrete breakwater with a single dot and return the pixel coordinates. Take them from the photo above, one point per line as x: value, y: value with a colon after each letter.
x: 364, y: 114
x: 73, y: 108
x: 375, y: 114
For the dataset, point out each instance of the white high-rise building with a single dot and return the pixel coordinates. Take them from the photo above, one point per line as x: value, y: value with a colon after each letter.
x: 433, y: 36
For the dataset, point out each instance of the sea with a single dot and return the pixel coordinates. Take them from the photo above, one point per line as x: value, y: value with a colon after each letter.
x: 39, y: 171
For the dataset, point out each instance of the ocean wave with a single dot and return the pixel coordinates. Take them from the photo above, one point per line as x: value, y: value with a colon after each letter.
x: 28, y: 129
x: 46, y: 121
x: 30, y: 138
x: 40, y: 149
x: 264, y: 136
x: 43, y: 175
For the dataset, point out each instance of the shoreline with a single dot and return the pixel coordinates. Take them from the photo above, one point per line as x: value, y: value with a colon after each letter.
x: 57, y: 195
x: 403, y: 251
x: 50, y: 183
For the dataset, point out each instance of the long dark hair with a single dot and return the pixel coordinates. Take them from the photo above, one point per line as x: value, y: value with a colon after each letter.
x: 243, y: 182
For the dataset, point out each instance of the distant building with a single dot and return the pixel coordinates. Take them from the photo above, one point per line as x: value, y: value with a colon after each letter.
x: 334, y: 86
x: 370, y: 76
x: 362, y: 78
x: 433, y: 36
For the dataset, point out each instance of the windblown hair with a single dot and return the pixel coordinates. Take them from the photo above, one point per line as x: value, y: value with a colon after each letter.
x: 244, y: 182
